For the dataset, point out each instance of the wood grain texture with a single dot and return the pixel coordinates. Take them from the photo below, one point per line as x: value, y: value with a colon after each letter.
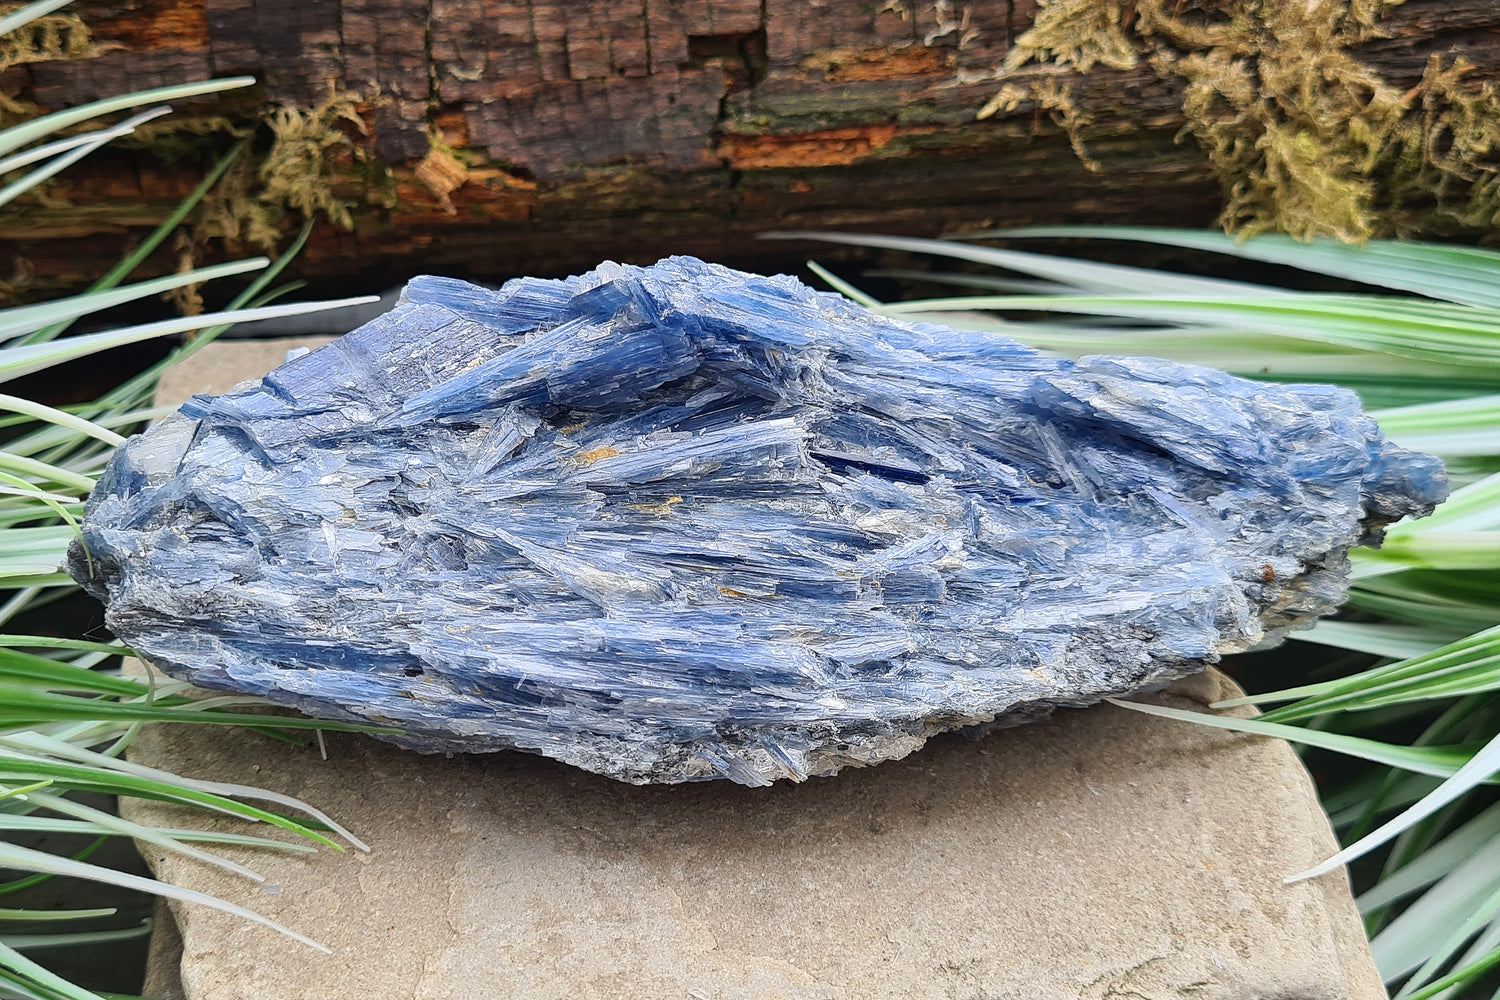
x: 632, y: 128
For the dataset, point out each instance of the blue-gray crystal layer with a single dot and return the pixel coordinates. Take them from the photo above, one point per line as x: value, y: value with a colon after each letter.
x: 679, y: 522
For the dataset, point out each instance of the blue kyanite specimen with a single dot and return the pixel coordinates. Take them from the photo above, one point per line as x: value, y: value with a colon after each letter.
x: 679, y: 522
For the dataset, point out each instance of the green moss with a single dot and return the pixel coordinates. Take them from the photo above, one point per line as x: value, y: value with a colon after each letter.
x: 1304, y: 137
x: 46, y: 38
x: 1446, y: 152
x: 303, y: 155
x: 375, y: 177
x: 1055, y: 99
x: 296, y: 171
x: 295, y: 174
x: 177, y: 137
x: 1076, y: 33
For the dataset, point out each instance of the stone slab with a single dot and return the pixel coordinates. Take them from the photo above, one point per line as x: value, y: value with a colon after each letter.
x: 1104, y: 854
x: 164, y: 959
x: 224, y: 364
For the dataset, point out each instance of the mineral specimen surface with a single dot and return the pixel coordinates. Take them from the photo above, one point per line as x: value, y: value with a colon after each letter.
x: 679, y: 522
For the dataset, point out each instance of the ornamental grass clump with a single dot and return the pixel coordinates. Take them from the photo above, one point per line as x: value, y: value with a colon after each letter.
x: 66, y: 711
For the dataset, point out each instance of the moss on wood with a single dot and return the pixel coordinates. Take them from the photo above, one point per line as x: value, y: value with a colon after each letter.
x: 1055, y: 99
x: 49, y: 37
x: 1303, y: 136
x: 301, y: 168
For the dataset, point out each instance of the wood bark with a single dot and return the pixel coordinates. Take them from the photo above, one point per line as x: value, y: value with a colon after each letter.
x: 630, y: 129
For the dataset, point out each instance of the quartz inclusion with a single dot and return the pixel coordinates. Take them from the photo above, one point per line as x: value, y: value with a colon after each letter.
x: 680, y: 522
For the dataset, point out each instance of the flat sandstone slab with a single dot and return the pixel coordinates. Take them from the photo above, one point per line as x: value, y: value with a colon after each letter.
x: 1102, y: 854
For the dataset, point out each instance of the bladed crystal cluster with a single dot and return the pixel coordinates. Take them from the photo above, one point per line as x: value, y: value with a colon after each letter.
x: 680, y: 522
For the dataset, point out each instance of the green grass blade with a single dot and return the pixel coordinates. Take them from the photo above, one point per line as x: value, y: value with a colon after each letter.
x: 47, y: 824
x: 1429, y: 549
x: 18, y: 963
x: 139, y: 386
x: 148, y: 246
x: 1437, y: 761
x: 843, y: 287
x: 50, y: 437
x: 9, y: 794
x: 26, y: 705
x: 26, y: 859
x: 1480, y: 768
x: 1428, y: 332
x: 1462, y: 601
x: 1485, y: 944
x: 36, y: 154
x: 17, y: 19
x: 17, y: 987
x: 52, y: 415
x: 44, y: 472
x: 1086, y: 275
x: 1460, y: 929
x: 1469, y: 666
x: 110, y: 781
x: 36, y: 879
x: 1480, y: 834
x: 76, y: 939
x: 56, y: 642
x: 987, y: 282
x: 121, y: 827
x: 16, y: 487
x: 217, y: 788
x: 19, y: 361
x: 1347, y: 806
x: 1438, y: 270
x: 57, y: 676
x: 20, y: 320
x: 1452, y: 428
x: 1406, y: 942
x: 1474, y: 508
x: 1399, y: 642
x: 41, y: 915
x: 38, y: 128
x: 60, y: 163
x: 34, y: 579
x: 1467, y: 974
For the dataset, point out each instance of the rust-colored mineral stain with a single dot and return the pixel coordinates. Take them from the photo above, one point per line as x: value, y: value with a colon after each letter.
x: 454, y: 127
x: 863, y: 65
x: 731, y: 592
x: 660, y: 509
x: 486, y: 194
x: 837, y: 147
x: 157, y: 24
x: 598, y: 454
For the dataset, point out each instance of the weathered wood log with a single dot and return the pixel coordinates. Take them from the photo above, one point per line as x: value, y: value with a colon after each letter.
x: 543, y: 135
